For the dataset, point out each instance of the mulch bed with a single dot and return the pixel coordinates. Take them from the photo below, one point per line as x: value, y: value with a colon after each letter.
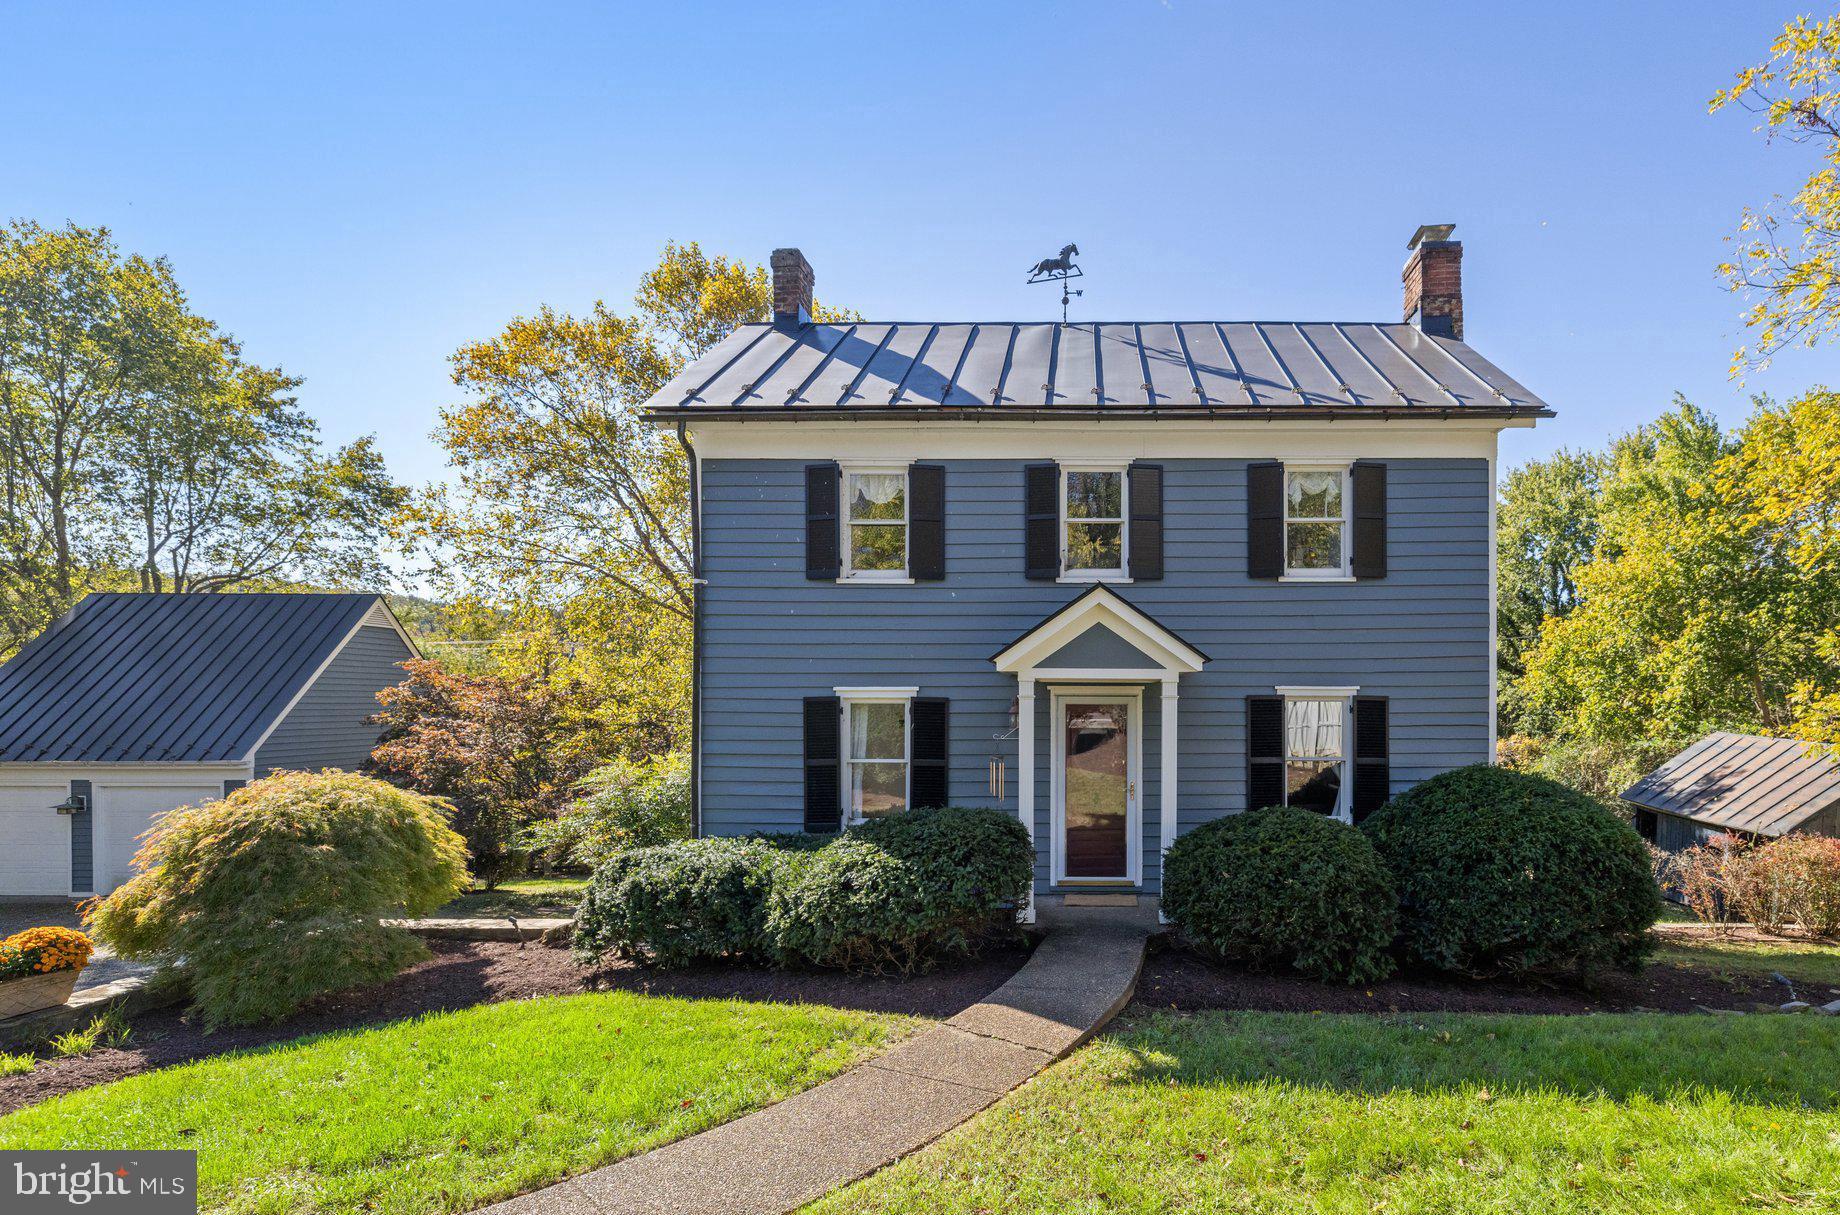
x: 465, y: 973
x: 1175, y: 979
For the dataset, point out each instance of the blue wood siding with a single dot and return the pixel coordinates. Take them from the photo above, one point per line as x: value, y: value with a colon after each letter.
x: 82, y: 841
x: 326, y: 729
x: 1419, y: 637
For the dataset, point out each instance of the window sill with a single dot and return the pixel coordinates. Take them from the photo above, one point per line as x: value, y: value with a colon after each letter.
x: 1330, y: 579
x: 864, y: 580
x: 1079, y: 577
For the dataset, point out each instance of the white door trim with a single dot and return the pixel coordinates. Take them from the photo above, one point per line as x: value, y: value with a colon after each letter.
x: 1133, y: 699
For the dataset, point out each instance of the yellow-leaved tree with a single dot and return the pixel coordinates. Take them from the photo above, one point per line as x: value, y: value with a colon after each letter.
x: 570, y: 511
x: 1786, y: 263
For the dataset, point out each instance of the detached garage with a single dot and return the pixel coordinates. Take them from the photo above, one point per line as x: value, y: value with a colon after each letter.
x: 134, y: 705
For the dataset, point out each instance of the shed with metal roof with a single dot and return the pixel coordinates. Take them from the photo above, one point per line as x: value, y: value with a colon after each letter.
x: 1741, y: 783
x: 132, y: 705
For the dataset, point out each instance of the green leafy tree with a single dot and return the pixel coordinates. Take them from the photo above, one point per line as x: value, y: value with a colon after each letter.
x: 140, y: 449
x: 1708, y: 602
x: 1546, y: 529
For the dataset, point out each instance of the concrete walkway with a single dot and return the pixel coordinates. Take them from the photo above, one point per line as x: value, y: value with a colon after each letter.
x: 777, y: 1159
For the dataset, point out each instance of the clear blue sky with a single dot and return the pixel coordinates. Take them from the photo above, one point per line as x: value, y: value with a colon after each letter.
x: 356, y: 190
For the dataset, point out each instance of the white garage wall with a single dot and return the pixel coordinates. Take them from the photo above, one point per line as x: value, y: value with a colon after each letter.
x: 124, y: 801
x: 124, y: 811
x: 34, y: 840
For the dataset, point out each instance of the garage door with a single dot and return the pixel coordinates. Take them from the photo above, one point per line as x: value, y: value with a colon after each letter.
x: 123, y: 812
x: 34, y: 840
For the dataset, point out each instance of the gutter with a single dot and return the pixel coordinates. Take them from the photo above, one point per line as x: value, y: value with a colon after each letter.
x: 1085, y: 413
x: 696, y: 636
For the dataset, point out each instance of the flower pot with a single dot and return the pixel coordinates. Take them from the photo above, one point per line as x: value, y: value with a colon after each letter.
x: 20, y: 996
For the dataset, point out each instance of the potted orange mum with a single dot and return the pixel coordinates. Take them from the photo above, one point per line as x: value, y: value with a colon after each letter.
x: 39, y: 968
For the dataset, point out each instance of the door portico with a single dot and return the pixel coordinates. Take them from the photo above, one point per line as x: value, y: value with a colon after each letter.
x: 1095, y: 646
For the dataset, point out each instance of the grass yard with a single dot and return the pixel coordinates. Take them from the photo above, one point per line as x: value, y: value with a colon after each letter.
x: 1301, y: 1112
x: 453, y: 1110
x: 524, y: 898
x: 1803, y: 961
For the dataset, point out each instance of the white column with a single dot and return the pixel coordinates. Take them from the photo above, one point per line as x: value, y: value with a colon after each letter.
x: 1170, y: 734
x: 1025, y: 769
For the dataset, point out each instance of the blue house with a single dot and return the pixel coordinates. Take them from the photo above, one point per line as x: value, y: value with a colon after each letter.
x: 1117, y: 579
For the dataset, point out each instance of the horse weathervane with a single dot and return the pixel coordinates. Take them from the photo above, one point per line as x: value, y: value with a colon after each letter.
x: 1059, y: 269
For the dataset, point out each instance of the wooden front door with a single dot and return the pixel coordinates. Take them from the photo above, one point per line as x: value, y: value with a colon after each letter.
x: 1097, y: 786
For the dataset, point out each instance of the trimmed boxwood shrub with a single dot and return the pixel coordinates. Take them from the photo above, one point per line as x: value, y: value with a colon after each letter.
x: 1506, y: 873
x: 674, y: 904
x: 1283, y: 887
x: 905, y: 892
x: 273, y: 895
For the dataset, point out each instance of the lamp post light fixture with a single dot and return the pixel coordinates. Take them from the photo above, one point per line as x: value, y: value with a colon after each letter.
x: 76, y: 803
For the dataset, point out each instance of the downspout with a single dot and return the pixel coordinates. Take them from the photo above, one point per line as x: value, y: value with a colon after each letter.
x: 696, y: 636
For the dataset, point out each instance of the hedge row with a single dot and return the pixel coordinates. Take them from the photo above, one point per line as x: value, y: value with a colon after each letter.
x: 900, y: 893
x: 1481, y: 872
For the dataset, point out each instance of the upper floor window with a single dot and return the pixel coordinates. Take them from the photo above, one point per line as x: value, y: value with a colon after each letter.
x: 1315, y: 521
x: 875, y: 518
x: 1094, y: 539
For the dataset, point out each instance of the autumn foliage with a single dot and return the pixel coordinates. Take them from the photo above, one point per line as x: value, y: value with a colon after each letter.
x: 504, y: 752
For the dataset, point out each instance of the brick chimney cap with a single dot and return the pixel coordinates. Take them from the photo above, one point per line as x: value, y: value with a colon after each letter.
x: 1430, y: 232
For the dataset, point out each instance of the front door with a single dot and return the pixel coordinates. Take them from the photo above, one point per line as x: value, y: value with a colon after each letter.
x: 1097, y: 786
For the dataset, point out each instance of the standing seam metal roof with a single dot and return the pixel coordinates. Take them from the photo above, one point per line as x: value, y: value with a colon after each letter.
x: 1742, y: 782
x: 1167, y: 367
x: 134, y: 678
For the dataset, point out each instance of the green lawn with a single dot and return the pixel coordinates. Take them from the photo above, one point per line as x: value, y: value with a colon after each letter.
x: 1309, y: 1113
x: 450, y: 1111
x: 525, y: 898
x: 1802, y: 961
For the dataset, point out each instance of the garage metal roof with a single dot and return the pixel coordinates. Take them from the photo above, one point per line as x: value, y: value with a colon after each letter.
x: 1742, y: 782
x: 1259, y: 368
x: 129, y: 678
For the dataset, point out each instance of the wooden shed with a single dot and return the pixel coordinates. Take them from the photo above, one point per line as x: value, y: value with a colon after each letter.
x: 1740, y: 783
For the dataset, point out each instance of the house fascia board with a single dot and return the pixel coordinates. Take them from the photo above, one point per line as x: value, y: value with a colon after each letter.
x: 1083, y: 439
x: 176, y: 772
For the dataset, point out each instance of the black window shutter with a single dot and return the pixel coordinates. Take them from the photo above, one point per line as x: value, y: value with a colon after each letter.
x: 823, y: 740
x: 1264, y: 751
x: 1369, y: 519
x: 1146, y: 521
x: 1373, y: 772
x: 926, y: 522
x: 1041, y: 521
x: 1265, y: 519
x: 823, y: 493
x: 932, y: 751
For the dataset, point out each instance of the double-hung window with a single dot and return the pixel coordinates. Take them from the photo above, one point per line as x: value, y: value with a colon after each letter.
x: 1316, y: 750
x: 1316, y: 521
x: 1094, y: 539
x: 875, y: 521
x: 876, y: 734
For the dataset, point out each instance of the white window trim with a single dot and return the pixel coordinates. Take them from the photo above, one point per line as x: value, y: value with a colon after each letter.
x: 849, y: 697
x: 1344, y: 572
x: 900, y: 577
x: 1123, y: 572
x: 1344, y: 803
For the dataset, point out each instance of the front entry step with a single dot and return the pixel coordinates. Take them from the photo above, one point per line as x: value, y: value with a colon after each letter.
x: 1099, y: 900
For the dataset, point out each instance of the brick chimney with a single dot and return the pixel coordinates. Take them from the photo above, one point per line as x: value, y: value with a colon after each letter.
x: 1434, y: 281
x: 792, y: 283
